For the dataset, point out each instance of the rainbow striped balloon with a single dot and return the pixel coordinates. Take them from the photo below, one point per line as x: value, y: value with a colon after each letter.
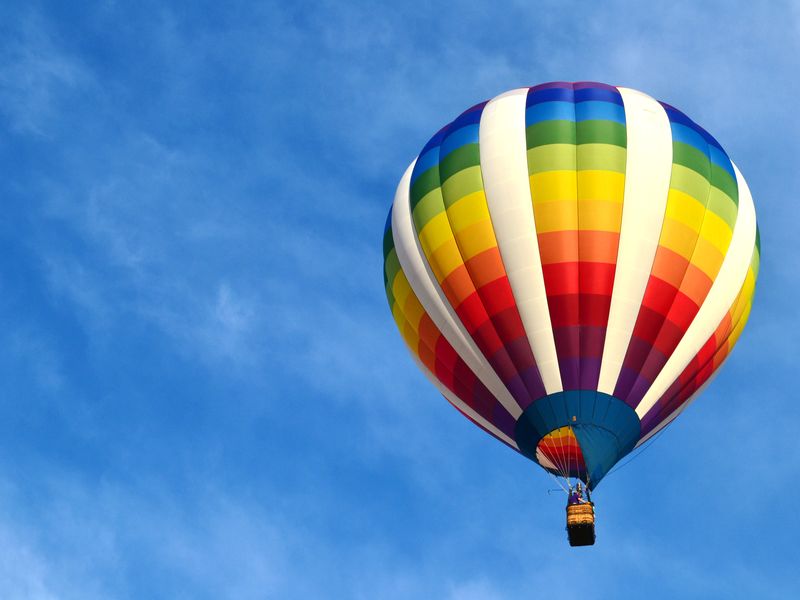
x: 570, y: 264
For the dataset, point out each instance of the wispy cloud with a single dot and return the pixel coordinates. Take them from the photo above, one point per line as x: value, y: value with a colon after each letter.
x: 36, y: 77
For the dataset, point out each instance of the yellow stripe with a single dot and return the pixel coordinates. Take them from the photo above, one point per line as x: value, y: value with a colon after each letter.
x: 552, y: 186
x: 476, y: 238
x: 707, y: 258
x: 411, y: 338
x: 678, y: 237
x: 435, y: 233
x: 737, y: 331
x: 401, y: 288
x: 414, y: 311
x: 467, y: 211
x: 556, y: 216
x: 685, y: 208
x: 599, y: 215
x: 601, y: 185
x: 445, y: 259
x: 398, y: 316
x: 411, y: 311
x: 717, y: 232
x: 749, y: 284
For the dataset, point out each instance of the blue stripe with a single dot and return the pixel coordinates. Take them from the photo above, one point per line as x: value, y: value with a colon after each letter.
x: 690, y: 136
x: 435, y: 140
x: 429, y: 156
x: 718, y: 157
x: 676, y: 116
x: 550, y: 95
x: 594, y: 110
x: 550, y: 111
x: 457, y: 138
x: 425, y: 162
x: 580, y: 111
x: 601, y: 94
x: 469, y: 117
x: 388, y: 221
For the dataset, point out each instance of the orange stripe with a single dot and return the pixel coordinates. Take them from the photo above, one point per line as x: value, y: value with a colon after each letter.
x: 696, y: 284
x: 458, y: 286
x: 598, y: 246
x: 486, y: 267
x: 669, y: 266
x: 556, y: 247
x: 428, y: 332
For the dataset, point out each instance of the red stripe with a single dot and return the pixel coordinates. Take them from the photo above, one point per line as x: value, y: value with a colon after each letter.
x: 446, y: 354
x: 497, y: 296
x: 648, y: 324
x: 564, y: 310
x: 472, y: 313
x: 596, y: 278
x: 561, y: 278
x: 658, y: 295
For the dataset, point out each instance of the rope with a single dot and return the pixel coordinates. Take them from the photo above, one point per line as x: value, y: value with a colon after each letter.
x: 561, y: 457
x: 569, y: 450
x: 557, y: 481
x: 641, y: 450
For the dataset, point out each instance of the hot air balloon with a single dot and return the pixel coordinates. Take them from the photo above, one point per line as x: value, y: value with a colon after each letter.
x: 570, y: 264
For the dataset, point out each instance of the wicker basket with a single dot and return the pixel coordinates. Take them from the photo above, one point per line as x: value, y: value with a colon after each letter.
x: 580, y: 524
x: 580, y: 514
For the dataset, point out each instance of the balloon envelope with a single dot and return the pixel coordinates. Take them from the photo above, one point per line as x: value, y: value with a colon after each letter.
x: 569, y: 264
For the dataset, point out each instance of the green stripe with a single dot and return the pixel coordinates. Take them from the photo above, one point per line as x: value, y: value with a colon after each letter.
x: 601, y: 157
x: 583, y: 157
x: 552, y: 157
x: 602, y: 131
x: 723, y: 206
x: 426, y: 182
x: 550, y: 132
x: 691, y: 157
x: 391, y: 266
x: 427, y: 208
x: 461, y: 184
x: 690, y: 182
x: 756, y: 260
x: 464, y: 157
x: 388, y: 241
x: 721, y: 179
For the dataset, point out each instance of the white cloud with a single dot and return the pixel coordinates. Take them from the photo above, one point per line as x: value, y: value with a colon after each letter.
x: 475, y: 590
x: 23, y: 573
x: 83, y: 542
x: 36, y: 77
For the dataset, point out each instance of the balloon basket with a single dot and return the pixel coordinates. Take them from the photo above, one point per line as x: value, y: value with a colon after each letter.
x: 580, y: 524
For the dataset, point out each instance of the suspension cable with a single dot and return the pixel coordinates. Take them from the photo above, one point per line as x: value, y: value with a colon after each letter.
x: 642, y: 449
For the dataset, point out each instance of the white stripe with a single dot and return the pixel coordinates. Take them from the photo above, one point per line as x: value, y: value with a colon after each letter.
x: 458, y: 403
x: 720, y: 298
x: 647, y: 176
x: 544, y: 461
x: 423, y: 282
x: 504, y: 166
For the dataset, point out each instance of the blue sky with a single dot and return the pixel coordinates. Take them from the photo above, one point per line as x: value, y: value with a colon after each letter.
x: 203, y: 393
